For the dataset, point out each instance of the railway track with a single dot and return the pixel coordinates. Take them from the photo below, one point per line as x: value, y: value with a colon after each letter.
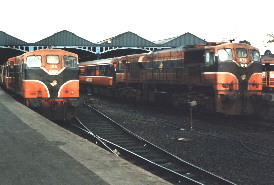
x: 251, y: 125
x: 137, y: 150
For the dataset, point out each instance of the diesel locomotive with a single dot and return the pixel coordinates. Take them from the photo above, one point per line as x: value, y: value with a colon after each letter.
x: 46, y: 80
x: 268, y: 82
x: 221, y: 77
x: 268, y: 73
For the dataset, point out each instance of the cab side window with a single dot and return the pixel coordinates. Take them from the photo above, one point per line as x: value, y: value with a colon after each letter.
x: 225, y: 54
x: 70, y: 61
x: 255, y: 55
x: 209, y: 58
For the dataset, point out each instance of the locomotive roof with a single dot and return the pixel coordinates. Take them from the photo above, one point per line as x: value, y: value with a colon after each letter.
x: 201, y: 46
x: 101, y: 61
x: 194, y: 47
x: 51, y: 50
x: 268, y: 59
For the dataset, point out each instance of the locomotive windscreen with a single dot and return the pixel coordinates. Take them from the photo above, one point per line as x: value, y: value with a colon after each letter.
x: 194, y: 56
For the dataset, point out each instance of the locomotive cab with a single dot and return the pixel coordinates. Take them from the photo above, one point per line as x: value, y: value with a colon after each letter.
x: 50, y: 82
x: 238, y: 77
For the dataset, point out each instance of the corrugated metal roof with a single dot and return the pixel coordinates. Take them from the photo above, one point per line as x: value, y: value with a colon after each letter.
x: 182, y: 40
x: 6, y: 39
x: 127, y: 39
x: 64, y: 38
x: 164, y: 40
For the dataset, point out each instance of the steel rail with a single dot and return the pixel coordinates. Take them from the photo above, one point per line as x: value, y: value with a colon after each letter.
x: 200, y: 175
x: 92, y: 134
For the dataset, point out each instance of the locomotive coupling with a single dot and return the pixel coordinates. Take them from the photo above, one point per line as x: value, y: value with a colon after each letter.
x: 233, y: 97
x: 230, y: 97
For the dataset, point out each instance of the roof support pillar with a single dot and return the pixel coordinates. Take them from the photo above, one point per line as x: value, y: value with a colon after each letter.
x: 97, y: 50
x: 31, y: 48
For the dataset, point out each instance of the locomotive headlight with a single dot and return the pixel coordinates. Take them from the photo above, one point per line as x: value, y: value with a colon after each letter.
x: 255, y: 85
x: 225, y: 85
x: 33, y: 93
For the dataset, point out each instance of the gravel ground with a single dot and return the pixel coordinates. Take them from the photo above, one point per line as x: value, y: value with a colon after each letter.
x: 218, y: 145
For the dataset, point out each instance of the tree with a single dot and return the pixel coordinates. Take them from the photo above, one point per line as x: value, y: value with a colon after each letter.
x: 272, y: 36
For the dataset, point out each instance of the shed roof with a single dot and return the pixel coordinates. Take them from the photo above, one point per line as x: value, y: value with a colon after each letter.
x: 127, y: 39
x: 64, y: 38
x: 182, y: 40
x: 6, y: 39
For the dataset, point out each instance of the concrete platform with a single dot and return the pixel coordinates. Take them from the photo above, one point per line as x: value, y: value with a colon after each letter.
x: 36, y: 151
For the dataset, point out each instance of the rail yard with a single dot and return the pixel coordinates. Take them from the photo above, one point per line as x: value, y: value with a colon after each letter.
x: 239, y: 150
x: 199, y: 114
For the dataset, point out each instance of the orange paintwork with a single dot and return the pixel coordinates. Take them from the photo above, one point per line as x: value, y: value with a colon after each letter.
x: 268, y: 76
x: 8, y: 80
x: 45, y: 52
x: 19, y: 75
x: 238, y: 60
x: 97, y: 80
x: 35, y: 89
x: 69, y: 89
x: 227, y: 81
x: 222, y: 80
x: 268, y: 59
x: 255, y: 83
x: 196, y: 67
x: 268, y: 79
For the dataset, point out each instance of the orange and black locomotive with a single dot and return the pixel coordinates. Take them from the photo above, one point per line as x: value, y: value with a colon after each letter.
x: 268, y: 82
x: 46, y: 80
x: 222, y: 77
x: 268, y: 73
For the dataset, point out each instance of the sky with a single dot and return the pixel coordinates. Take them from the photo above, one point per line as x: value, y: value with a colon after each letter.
x: 212, y: 20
